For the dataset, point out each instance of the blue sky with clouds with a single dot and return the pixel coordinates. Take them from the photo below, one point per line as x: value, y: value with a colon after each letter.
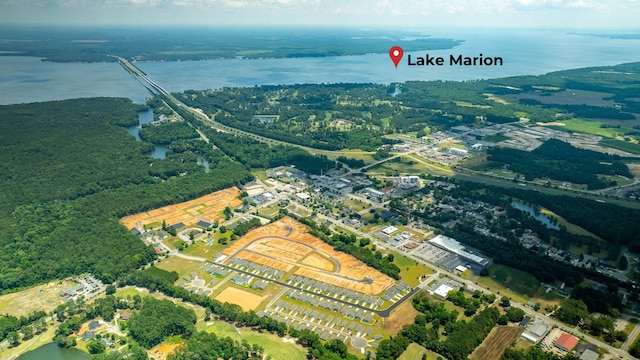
x: 573, y: 14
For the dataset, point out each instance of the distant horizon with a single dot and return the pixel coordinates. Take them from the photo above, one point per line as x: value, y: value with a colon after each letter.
x: 380, y: 14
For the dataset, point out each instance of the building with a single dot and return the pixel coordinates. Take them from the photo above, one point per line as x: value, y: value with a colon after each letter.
x: 453, y: 246
x: 589, y: 355
x: 443, y: 290
x: 374, y: 194
x: 389, y: 230
x: 566, y: 342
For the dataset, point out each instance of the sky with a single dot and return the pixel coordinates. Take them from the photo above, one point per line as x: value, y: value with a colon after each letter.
x: 564, y: 14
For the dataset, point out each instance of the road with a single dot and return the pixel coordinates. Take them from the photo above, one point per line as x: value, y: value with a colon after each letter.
x: 382, y: 313
x: 472, y: 287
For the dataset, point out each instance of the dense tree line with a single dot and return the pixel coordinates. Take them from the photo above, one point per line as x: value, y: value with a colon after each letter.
x: 558, y: 160
x: 168, y: 132
x: 204, y: 345
x: 161, y: 280
x: 258, y: 155
x: 69, y: 173
x: 159, y: 319
x: 461, y: 339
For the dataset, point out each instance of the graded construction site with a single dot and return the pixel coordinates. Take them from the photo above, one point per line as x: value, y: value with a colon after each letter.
x: 287, y: 246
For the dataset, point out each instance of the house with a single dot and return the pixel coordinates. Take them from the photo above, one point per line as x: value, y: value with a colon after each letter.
x: 95, y: 324
x: 566, y: 342
x: 87, y: 335
x: 125, y: 315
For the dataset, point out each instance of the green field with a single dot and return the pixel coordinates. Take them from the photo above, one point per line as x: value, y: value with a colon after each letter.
x: 415, y: 352
x: 590, y: 127
x: 621, y: 145
x: 274, y: 346
x: 409, y: 271
x: 506, y: 281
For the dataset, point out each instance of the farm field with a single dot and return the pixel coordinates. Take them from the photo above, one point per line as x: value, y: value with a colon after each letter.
x: 590, y: 127
x: 494, y: 345
x: 287, y: 246
x: 208, y: 208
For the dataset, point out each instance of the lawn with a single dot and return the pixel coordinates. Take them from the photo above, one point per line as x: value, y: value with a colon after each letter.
x: 179, y: 265
x: 590, y: 127
x: 415, y: 352
x: 506, y: 281
x: 572, y: 228
x: 274, y: 346
x: 201, y: 249
x: 31, y: 344
x: 409, y: 271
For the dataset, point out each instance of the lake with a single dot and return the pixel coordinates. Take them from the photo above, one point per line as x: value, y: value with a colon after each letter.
x: 531, y: 211
x: 525, y: 52
x: 52, y: 351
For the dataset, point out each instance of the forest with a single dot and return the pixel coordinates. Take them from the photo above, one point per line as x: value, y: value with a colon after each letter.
x: 558, y: 160
x: 69, y: 171
x: 60, y: 43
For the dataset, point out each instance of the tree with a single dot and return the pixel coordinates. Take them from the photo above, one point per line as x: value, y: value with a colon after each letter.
x: 515, y: 314
x: 95, y: 347
x: 228, y: 213
x: 505, y: 302
x: 110, y: 289
x: 12, y: 338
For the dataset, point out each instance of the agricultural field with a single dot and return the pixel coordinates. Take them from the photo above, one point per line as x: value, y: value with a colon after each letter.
x: 208, y: 208
x: 287, y: 246
x: 589, y: 127
x: 500, y: 338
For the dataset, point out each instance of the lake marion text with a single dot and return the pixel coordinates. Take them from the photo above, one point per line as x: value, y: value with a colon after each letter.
x: 459, y: 60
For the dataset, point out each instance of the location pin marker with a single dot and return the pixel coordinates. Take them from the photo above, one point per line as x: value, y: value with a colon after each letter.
x: 395, y: 53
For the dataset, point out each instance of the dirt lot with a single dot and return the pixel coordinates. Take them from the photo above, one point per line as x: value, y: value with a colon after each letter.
x: 246, y: 300
x: 496, y: 343
x: 402, y: 315
x: 42, y: 297
x: 208, y: 208
x: 286, y: 244
x: 161, y: 351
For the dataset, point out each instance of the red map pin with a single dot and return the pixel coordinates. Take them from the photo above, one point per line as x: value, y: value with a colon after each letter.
x: 395, y: 53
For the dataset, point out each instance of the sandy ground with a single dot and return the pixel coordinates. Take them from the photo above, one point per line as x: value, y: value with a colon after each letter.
x: 286, y: 244
x: 208, y: 208
x: 161, y: 351
x: 246, y: 300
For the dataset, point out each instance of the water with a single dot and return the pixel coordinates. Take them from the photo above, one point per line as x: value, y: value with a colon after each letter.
x: 29, y: 79
x: 531, y: 211
x: 202, y: 161
x: 525, y: 52
x: 145, y: 117
x: 159, y: 151
x: 53, y: 352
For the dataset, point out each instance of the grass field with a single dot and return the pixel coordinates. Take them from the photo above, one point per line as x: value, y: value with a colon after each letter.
x: 518, y: 285
x: 415, y: 352
x: 590, y: 127
x: 42, y: 297
x: 274, y: 346
x: 621, y: 145
x: 572, y: 228
x: 179, y: 265
x: 409, y: 271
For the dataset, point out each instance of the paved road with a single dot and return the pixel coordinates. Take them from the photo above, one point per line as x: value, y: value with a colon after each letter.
x: 382, y: 313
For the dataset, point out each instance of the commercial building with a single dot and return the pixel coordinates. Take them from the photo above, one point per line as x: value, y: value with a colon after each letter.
x: 453, y: 246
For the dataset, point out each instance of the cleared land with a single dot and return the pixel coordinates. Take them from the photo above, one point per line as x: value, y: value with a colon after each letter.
x: 208, y: 208
x: 415, y: 351
x: 42, y: 297
x: 402, y: 315
x: 161, y: 351
x: 286, y: 245
x: 496, y: 343
x: 246, y: 300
